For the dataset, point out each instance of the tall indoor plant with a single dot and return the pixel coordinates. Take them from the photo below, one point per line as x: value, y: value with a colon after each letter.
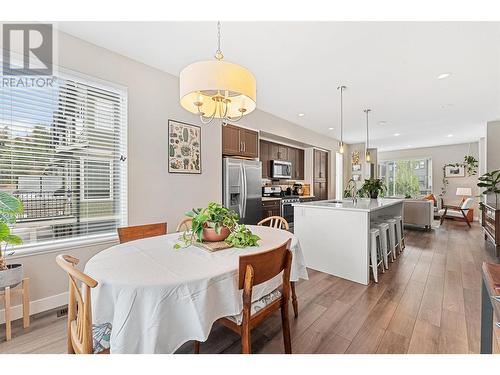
x: 10, y: 207
x: 491, y: 183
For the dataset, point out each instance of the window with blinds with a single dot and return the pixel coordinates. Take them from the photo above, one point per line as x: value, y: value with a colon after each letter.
x: 62, y: 153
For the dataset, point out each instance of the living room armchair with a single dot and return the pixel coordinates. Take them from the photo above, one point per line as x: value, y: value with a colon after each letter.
x: 459, y: 212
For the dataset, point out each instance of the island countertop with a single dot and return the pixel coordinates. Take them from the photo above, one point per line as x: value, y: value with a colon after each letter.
x: 363, y: 204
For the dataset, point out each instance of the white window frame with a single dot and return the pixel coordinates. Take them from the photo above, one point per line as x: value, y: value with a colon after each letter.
x: 44, y: 247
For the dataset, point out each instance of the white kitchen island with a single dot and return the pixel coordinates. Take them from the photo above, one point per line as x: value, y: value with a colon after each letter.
x: 335, y: 235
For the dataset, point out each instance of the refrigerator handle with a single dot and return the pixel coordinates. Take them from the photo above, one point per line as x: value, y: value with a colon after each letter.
x: 245, y: 192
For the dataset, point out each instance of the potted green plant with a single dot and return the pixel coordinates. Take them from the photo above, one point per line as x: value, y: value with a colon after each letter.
x: 212, y: 223
x: 10, y: 207
x: 372, y: 187
x: 490, y: 182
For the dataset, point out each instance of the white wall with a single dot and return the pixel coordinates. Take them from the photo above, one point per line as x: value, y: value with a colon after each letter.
x: 153, y: 194
x: 442, y: 155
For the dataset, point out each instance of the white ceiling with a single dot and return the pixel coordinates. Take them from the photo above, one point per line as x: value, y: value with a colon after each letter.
x: 390, y: 67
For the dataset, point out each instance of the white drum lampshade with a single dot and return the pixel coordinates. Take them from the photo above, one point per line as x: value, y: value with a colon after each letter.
x: 464, y: 192
x: 201, y: 81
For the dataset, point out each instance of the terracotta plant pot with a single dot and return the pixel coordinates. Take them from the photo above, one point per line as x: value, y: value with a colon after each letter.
x: 12, y: 276
x: 210, y: 235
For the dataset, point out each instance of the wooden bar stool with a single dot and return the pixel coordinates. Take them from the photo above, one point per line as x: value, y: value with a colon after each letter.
x: 7, y: 295
x: 376, y: 258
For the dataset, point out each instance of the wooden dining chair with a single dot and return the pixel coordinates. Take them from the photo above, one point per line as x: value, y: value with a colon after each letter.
x: 83, y: 336
x: 255, y: 269
x: 137, y: 232
x: 279, y: 222
x: 184, y: 225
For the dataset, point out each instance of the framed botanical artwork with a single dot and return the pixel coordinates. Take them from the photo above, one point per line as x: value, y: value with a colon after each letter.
x: 184, y: 148
x: 355, y: 157
x: 455, y: 170
x: 356, y: 167
x: 356, y: 177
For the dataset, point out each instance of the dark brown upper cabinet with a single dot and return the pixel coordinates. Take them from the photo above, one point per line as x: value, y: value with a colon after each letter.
x: 264, y: 158
x: 275, y: 151
x: 238, y: 141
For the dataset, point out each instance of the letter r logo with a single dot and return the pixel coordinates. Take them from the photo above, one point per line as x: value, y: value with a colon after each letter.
x: 36, y: 45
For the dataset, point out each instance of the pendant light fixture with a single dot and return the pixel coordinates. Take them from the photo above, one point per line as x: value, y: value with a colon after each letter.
x: 341, y: 144
x: 368, y: 157
x: 217, y: 88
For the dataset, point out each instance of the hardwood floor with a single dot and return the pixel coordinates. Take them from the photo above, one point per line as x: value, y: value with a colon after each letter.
x: 428, y: 302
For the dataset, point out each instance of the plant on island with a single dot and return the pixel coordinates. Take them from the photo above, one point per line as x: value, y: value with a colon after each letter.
x: 372, y: 188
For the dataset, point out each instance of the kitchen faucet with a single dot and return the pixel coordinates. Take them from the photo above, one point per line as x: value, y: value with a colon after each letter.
x: 351, y: 188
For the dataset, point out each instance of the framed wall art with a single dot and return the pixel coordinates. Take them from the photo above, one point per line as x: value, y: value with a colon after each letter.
x: 455, y: 170
x: 184, y: 148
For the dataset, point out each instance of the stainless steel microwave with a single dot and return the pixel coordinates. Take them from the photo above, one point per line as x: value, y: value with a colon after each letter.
x: 281, y: 169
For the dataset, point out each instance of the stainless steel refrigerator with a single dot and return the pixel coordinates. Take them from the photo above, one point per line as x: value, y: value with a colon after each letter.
x: 242, y: 188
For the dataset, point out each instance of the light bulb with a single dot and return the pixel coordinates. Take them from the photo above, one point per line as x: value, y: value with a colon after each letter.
x: 341, y: 147
x: 368, y: 158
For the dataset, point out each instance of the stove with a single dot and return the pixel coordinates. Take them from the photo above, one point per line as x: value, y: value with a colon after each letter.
x: 287, y: 202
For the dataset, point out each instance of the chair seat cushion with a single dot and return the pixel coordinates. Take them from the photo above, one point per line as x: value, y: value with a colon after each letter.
x: 100, y: 336
x: 451, y: 213
x: 257, y: 305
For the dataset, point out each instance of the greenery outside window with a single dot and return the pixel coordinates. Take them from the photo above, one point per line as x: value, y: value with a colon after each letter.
x: 407, y: 178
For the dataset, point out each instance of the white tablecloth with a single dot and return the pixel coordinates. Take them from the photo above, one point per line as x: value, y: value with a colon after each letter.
x: 158, y: 298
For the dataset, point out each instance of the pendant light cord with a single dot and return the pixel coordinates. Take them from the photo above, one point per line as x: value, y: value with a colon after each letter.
x: 367, y: 135
x: 218, y: 54
x: 341, y: 88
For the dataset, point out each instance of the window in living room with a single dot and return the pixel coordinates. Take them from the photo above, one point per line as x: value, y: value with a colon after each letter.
x: 407, y: 178
x: 62, y: 154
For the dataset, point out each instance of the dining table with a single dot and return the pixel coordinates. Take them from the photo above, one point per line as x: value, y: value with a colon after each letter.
x: 158, y: 297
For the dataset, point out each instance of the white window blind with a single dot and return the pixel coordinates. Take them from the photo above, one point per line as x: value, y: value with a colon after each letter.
x: 62, y: 153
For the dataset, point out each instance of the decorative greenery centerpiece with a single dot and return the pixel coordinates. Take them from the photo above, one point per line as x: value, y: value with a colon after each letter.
x: 242, y: 237
x: 10, y: 206
x: 490, y: 181
x: 217, y: 223
x: 372, y: 188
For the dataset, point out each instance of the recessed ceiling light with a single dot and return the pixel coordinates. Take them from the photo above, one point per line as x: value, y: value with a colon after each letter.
x: 397, y: 134
x: 450, y: 135
x: 301, y: 115
x: 443, y: 75
x: 330, y: 128
x: 382, y: 122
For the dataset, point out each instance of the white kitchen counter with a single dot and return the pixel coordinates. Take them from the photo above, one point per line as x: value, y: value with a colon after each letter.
x: 363, y: 204
x: 335, y: 235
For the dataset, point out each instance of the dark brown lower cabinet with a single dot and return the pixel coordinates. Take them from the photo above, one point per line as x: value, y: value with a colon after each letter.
x: 271, y: 208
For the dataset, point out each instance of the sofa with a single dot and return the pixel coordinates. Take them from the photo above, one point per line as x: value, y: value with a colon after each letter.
x: 418, y: 212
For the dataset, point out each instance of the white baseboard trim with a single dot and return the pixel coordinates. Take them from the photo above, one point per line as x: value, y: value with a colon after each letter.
x: 37, y: 306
